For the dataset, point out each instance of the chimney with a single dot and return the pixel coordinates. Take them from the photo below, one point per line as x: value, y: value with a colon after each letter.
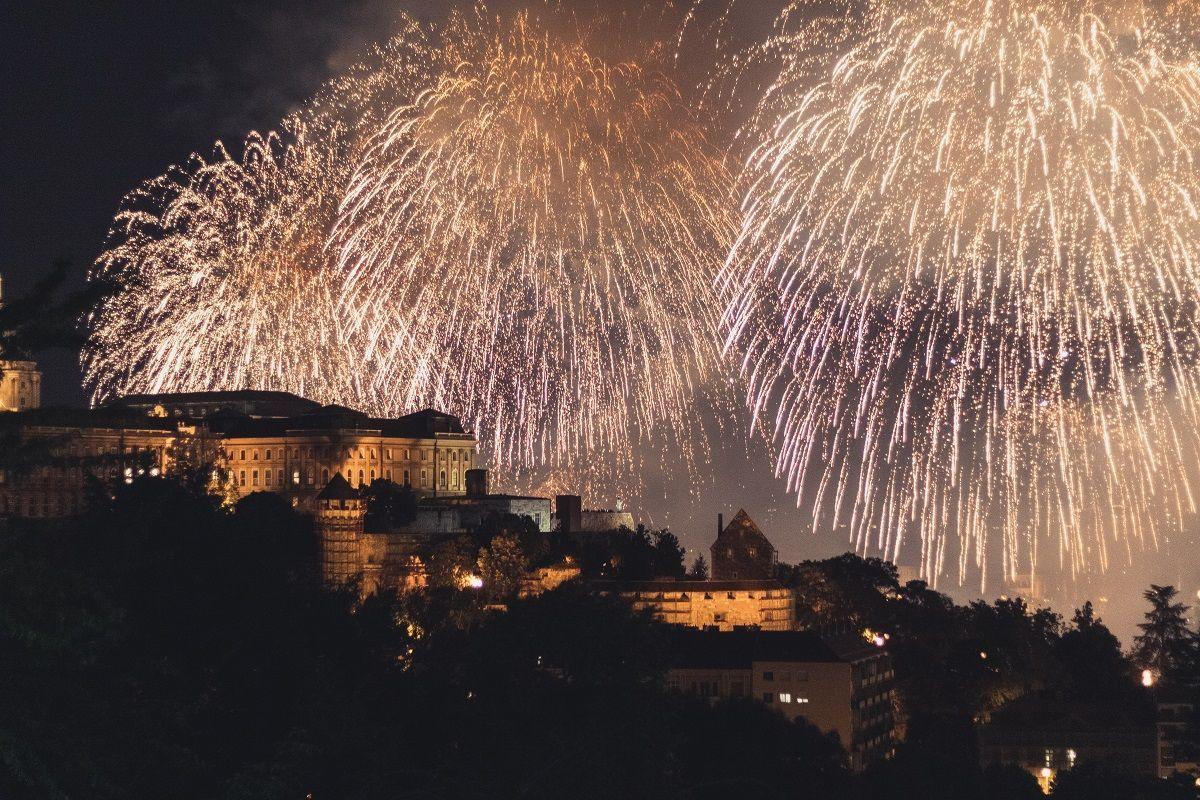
x: 569, y: 510
x: 720, y: 524
x: 477, y: 483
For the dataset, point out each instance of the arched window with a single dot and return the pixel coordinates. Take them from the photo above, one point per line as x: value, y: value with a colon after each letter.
x: 455, y: 479
x: 443, y: 477
x: 268, y: 455
x: 256, y: 455
x: 406, y: 479
x: 243, y: 455
x: 454, y: 455
x: 372, y: 476
x: 360, y: 477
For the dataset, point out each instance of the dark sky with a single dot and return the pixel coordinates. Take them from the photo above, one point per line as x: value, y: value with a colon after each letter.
x: 98, y: 96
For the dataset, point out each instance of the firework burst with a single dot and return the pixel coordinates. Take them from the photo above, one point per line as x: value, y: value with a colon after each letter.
x: 491, y: 216
x: 963, y: 295
x: 531, y: 243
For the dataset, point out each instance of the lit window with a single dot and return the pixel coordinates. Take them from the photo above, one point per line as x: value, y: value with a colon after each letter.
x: 296, y: 477
x: 785, y: 697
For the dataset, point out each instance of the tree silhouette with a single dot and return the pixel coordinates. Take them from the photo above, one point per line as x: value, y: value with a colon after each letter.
x: 1165, y: 637
x: 48, y: 316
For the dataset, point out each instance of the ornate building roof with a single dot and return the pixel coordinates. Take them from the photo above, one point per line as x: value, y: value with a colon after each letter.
x: 742, y: 551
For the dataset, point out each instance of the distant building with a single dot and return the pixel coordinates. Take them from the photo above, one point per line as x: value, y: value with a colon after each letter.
x: 265, y: 441
x: 67, y: 447
x: 20, y: 386
x: 1176, y: 747
x: 723, y: 602
x: 20, y: 381
x: 723, y: 605
x: 201, y: 405
x: 1046, y: 734
x: 742, y: 552
x: 297, y: 455
x: 842, y: 685
x: 380, y: 560
x: 571, y: 517
x: 478, y: 503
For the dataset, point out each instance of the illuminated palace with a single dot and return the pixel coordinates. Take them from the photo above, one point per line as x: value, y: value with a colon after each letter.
x: 20, y: 381
x: 263, y: 441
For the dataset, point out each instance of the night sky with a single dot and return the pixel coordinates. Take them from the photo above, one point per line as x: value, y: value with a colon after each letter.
x: 96, y: 97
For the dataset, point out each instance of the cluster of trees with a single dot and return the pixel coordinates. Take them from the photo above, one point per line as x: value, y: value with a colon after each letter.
x: 956, y: 664
x: 165, y: 645
x: 161, y: 645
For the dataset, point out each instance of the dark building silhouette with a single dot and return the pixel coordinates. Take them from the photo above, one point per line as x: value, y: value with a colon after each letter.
x: 741, y: 552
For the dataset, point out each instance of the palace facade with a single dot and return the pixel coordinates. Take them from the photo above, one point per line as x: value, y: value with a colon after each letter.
x: 258, y: 441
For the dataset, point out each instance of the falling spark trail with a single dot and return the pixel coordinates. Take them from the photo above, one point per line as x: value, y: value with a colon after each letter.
x: 964, y: 291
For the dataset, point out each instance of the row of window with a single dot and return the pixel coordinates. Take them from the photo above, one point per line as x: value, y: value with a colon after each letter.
x: 45, y: 505
x: 278, y: 478
x: 334, y: 452
x: 785, y: 675
x: 783, y: 697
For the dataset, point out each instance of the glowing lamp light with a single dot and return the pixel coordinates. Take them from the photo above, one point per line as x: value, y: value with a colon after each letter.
x: 875, y: 638
x: 1147, y: 678
x: 474, y: 582
x: 1046, y: 772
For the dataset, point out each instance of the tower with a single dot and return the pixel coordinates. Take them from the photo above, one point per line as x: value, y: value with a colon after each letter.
x: 340, y: 514
x: 20, y: 381
x: 742, y: 551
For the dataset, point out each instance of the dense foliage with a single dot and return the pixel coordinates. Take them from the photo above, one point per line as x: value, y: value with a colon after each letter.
x: 163, y: 645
